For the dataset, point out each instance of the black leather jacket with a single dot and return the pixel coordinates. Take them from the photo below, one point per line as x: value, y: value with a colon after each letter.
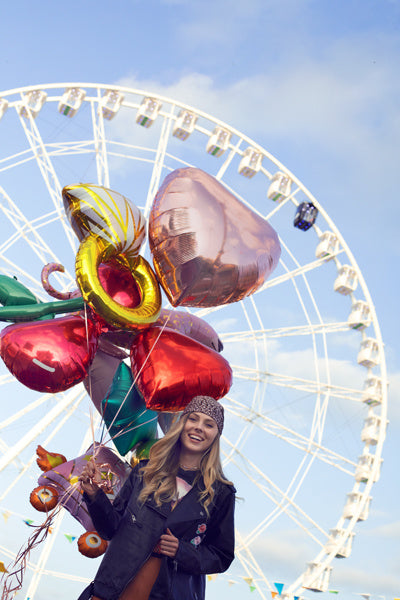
x: 206, y: 544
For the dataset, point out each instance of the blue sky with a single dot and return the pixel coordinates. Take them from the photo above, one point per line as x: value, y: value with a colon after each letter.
x: 314, y: 82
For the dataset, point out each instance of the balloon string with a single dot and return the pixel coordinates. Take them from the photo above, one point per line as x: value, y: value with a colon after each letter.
x: 90, y: 380
x: 137, y: 376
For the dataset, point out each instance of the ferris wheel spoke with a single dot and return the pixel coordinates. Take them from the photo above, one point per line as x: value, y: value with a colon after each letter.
x: 24, y: 229
x: 46, y: 442
x: 47, y: 170
x: 40, y: 426
x: 283, y: 503
x: 308, y: 386
x: 293, y: 331
x: 292, y: 437
x: 100, y: 146
x: 250, y: 564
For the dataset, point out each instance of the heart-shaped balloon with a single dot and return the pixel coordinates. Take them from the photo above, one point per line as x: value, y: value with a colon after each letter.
x: 50, y: 356
x: 170, y: 369
x: 208, y: 247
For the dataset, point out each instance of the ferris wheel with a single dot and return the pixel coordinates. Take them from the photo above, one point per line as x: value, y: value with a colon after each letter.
x: 306, y: 415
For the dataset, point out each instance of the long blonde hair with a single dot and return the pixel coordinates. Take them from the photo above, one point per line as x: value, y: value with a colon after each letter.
x: 159, y: 475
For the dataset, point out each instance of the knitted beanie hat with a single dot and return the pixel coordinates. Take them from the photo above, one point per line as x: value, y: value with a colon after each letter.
x: 208, y: 406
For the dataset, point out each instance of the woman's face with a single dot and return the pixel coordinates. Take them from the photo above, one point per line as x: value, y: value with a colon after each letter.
x: 198, y: 433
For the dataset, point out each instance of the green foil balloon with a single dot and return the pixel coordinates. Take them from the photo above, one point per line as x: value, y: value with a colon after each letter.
x: 128, y: 420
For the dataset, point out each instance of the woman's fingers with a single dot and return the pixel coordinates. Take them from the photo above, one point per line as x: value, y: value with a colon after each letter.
x: 168, y: 544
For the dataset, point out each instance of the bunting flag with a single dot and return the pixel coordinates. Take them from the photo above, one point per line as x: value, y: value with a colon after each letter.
x: 28, y: 521
x: 333, y: 591
x: 212, y: 577
x: 279, y: 587
x: 248, y: 580
x: 231, y: 582
x: 70, y: 538
x: 2, y: 567
x: 252, y: 588
x: 273, y: 594
x: 296, y: 597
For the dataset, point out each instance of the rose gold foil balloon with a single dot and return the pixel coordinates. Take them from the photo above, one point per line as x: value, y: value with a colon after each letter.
x: 208, y: 247
x: 50, y: 356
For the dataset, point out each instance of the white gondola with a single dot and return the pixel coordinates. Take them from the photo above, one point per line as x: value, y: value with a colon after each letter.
x: 366, y: 468
x: 148, y: 111
x: 3, y: 106
x: 315, y: 581
x: 32, y: 103
x: 360, y: 316
x: 341, y: 537
x: 280, y: 187
x: 352, y: 506
x: 71, y: 101
x: 368, y: 355
x: 184, y: 124
x: 371, y: 430
x: 250, y: 163
x: 346, y: 281
x: 372, y: 392
x: 218, y: 141
x: 328, y: 245
x: 111, y: 103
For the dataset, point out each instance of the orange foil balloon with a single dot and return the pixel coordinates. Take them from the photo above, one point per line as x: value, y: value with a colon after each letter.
x: 171, y: 368
x: 208, y: 247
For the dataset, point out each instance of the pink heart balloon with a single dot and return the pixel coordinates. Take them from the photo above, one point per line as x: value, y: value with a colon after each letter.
x: 49, y: 356
x: 208, y: 247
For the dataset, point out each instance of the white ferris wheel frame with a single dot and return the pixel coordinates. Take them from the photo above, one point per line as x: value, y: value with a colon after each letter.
x: 42, y: 153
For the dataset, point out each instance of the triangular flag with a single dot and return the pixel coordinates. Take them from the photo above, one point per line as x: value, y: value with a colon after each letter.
x: 6, y: 515
x: 274, y: 594
x: 333, y: 591
x: 70, y: 538
x: 28, y: 521
x: 212, y: 577
x: 248, y: 580
x: 366, y: 596
x: 231, y: 582
x: 3, y: 568
x: 252, y: 588
x: 279, y: 587
x: 296, y: 597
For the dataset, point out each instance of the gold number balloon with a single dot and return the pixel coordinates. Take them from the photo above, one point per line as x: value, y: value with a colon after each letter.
x: 109, y: 227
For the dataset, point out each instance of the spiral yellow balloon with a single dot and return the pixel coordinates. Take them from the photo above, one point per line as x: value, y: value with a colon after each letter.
x: 109, y: 226
x: 92, y: 252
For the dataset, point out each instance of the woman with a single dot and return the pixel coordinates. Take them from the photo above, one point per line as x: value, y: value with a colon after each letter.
x: 172, y: 522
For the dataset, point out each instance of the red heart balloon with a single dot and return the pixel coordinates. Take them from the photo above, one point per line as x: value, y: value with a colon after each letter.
x: 171, y: 368
x: 208, y: 247
x: 49, y: 356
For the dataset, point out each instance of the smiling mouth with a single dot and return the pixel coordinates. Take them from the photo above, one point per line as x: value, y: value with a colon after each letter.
x: 195, y: 438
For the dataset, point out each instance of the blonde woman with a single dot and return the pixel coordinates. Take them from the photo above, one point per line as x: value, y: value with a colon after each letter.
x: 173, y: 520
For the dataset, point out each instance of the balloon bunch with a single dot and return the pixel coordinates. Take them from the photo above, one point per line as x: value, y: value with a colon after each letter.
x: 208, y: 249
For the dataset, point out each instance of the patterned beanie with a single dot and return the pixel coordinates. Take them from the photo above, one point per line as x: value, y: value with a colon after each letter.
x: 208, y: 406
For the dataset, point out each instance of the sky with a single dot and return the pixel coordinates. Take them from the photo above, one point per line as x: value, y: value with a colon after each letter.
x: 314, y: 82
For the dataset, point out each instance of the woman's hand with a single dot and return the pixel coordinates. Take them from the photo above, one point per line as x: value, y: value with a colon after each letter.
x: 168, y: 544
x: 89, y: 477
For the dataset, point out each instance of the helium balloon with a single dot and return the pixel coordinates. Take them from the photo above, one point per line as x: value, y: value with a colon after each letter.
x: 208, y: 247
x: 48, y: 460
x: 90, y: 544
x: 100, y: 375
x: 49, y: 356
x: 12, y: 292
x: 170, y: 369
x: 180, y: 321
x: 110, y: 227
x: 128, y: 420
x: 65, y: 479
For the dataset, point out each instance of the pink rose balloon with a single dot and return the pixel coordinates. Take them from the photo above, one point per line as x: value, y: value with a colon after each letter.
x: 208, y: 247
